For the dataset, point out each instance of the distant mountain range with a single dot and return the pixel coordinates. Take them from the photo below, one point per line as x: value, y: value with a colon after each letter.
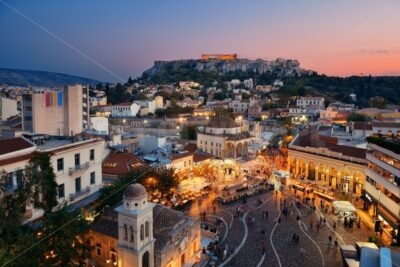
x: 40, y: 78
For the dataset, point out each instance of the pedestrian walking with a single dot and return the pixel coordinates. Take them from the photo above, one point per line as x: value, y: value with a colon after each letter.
x: 294, y: 238
x: 334, y: 225
x: 302, y: 251
x: 336, y: 244
x: 279, y: 219
x: 330, y: 239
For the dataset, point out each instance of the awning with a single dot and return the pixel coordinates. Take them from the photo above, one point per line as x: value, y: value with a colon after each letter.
x: 344, y: 206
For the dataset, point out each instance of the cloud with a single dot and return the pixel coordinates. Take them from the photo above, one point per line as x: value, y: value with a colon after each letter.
x: 378, y: 51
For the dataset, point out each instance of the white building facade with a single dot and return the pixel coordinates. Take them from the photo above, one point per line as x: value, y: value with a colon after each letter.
x: 77, y: 166
x: 125, y: 110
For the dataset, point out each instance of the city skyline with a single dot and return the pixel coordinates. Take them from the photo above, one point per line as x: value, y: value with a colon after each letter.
x: 363, y: 40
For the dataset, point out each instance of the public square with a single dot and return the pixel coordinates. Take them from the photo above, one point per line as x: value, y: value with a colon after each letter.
x: 250, y: 238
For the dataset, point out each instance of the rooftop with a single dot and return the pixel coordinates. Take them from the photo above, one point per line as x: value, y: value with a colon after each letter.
x: 14, y: 144
x: 222, y: 122
x: 311, y: 137
x: 117, y: 164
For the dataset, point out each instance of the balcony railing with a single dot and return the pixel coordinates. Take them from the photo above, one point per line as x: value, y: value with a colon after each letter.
x: 79, y: 194
x: 384, y: 200
x: 78, y: 168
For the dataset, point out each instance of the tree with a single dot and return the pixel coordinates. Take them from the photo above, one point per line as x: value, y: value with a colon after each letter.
x: 166, y: 179
x: 188, y: 132
x: 358, y: 117
x: 378, y: 102
x: 60, y: 240
x: 62, y: 229
x: 43, y: 181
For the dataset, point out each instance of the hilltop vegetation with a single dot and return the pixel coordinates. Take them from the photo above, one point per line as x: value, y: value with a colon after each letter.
x: 369, y: 91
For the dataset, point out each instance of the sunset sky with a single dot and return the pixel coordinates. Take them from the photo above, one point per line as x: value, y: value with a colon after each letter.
x: 341, y: 37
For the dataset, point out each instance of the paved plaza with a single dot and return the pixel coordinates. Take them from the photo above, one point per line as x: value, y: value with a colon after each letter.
x: 252, y: 239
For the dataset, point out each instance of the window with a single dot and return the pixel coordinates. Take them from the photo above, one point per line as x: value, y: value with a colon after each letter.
x: 10, y: 181
x: 98, y: 249
x: 147, y: 229
x: 131, y: 232
x: 28, y: 118
x: 61, y: 191
x: 142, y: 232
x: 77, y: 160
x: 92, y: 178
x: 78, y: 184
x: 125, y: 232
x: 92, y: 154
x: 60, y: 164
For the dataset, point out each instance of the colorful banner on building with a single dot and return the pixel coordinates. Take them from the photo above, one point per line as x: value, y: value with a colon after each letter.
x: 59, y: 99
x: 53, y: 99
x: 47, y: 98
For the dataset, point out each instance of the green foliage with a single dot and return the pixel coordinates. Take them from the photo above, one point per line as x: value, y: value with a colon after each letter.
x: 188, y: 132
x: 358, y: 117
x: 165, y: 180
x: 43, y: 180
x: 380, y: 141
x: 173, y: 111
x: 61, y: 242
x: 118, y: 94
x: 38, y: 188
x: 337, y: 88
x: 268, y: 106
x: 378, y: 102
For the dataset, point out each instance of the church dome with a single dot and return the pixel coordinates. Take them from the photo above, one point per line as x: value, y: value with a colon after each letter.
x: 135, y: 192
x: 222, y: 122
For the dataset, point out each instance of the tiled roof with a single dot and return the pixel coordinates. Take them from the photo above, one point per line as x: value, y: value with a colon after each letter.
x: 222, y: 122
x: 191, y: 147
x: 201, y: 156
x: 312, y: 139
x: 121, y: 163
x: 165, y: 218
x: 180, y: 155
x: 106, y: 226
x: 13, y: 145
x: 362, y: 126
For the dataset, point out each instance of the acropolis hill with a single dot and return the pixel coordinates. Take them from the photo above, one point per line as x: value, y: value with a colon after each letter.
x: 224, y: 63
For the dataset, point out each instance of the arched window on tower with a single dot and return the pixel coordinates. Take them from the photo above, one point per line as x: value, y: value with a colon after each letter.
x: 131, y: 236
x: 125, y: 232
x: 147, y: 228
x: 142, y: 232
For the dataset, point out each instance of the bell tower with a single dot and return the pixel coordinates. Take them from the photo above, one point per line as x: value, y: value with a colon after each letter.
x: 135, y: 229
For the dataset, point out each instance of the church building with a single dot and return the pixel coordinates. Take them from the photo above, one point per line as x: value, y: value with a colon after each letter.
x: 139, y: 233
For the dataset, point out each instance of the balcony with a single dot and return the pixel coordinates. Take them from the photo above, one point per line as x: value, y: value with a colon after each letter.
x: 78, y: 168
x: 77, y: 195
x: 385, y: 201
x: 370, y: 157
x: 383, y: 181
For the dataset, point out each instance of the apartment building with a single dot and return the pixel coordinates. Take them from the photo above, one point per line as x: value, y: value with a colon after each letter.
x: 76, y: 164
x: 306, y: 101
x: 8, y: 108
x: 125, y: 110
x: 56, y: 112
x: 382, y: 185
